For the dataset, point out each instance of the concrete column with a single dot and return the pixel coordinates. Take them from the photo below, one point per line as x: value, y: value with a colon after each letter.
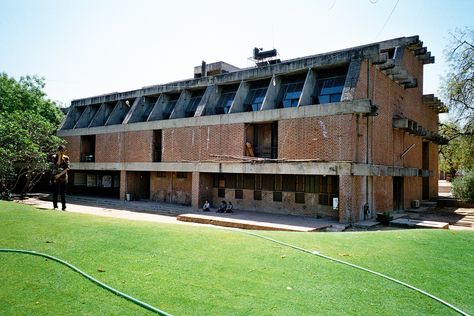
x: 239, y: 99
x: 272, y: 94
x: 309, y: 88
x: 208, y: 101
x: 180, y: 106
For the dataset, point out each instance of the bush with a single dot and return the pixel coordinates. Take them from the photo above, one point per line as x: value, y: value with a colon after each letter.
x: 463, y: 187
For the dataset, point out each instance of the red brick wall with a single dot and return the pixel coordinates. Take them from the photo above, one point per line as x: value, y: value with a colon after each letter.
x: 383, y: 194
x: 108, y: 147
x: 73, y: 148
x: 138, y: 146
x: 201, y: 143
x: 324, y: 138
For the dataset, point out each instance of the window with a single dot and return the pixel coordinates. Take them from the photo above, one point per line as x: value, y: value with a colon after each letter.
x: 226, y: 99
x: 277, y: 196
x: 255, y: 96
x: 239, y: 194
x: 192, y: 106
x: 249, y: 181
x: 330, y: 89
x: 221, y: 193
x: 170, y: 107
x: 257, y: 195
x: 330, y: 84
x: 181, y: 175
x: 161, y: 174
x: 290, y: 91
x: 299, y: 197
x: 289, y: 183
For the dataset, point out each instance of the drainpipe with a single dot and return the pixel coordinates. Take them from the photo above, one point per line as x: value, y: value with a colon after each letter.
x: 366, y: 206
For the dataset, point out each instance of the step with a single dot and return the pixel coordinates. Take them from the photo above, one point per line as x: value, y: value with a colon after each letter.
x: 414, y: 223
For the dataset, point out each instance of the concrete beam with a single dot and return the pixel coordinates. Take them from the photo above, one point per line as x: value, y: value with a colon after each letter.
x: 271, y: 96
x: 308, y: 90
x: 239, y: 99
x: 298, y: 168
x: 315, y: 110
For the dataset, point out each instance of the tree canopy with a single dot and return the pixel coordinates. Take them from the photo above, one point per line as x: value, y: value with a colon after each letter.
x: 28, y: 122
x: 458, y: 93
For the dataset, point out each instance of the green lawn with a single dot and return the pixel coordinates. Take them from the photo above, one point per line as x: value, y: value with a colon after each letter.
x: 190, y: 270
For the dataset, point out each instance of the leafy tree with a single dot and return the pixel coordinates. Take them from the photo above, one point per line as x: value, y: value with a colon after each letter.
x: 459, y: 83
x: 28, y: 122
x: 458, y: 92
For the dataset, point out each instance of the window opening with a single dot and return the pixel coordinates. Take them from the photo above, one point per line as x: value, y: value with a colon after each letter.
x: 256, y: 96
x: 331, y: 84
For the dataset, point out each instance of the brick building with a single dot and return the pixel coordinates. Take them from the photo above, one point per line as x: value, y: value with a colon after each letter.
x: 343, y: 134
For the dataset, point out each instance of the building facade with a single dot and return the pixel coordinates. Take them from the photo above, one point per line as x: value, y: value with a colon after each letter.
x: 343, y: 134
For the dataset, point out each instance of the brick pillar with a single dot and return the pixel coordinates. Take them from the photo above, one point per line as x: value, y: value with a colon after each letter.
x: 201, y: 188
x: 123, y: 184
x: 195, y: 189
x: 351, y: 198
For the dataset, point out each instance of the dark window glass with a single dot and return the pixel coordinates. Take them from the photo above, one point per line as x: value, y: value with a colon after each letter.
x: 299, y: 197
x: 181, y: 175
x: 221, y: 193
x: 257, y: 195
x: 161, y: 174
x: 249, y: 181
x: 289, y: 183
x: 239, y: 194
x: 324, y: 184
x: 192, y: 106
x: 225, y: 102
x: 277, y: 183
x: 291, y: 94
x: 230, y: 181
x: 268, y: 182
x: 310, y: 184
x: 258, y: 181
x: 239, y: 179
x: 255, y: 99
x: 277, y: 196
x: 324, y: 199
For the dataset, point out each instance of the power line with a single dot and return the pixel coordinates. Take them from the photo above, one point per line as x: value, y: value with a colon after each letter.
x: 388, y: 18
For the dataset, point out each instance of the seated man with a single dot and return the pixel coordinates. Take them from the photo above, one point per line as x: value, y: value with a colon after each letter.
x: 206, y: 207
x: 230, y: 208
x: 222, y: 208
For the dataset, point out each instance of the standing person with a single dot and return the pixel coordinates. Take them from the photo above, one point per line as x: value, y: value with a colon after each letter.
x: 60, y: 166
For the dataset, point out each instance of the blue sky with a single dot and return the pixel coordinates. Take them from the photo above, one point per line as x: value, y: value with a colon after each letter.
x: 92, y: 47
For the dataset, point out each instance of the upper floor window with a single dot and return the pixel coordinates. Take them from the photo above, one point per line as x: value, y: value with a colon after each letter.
x: 290, y: 91
x: 226, y: 100
x: 331, y: 84
x: 256, y: 95
x: 193, y: 103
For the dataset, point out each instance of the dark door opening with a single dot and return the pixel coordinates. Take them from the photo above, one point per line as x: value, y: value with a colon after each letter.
x: 157, y: 145
x: 263, y: 139
x: 397, y: 193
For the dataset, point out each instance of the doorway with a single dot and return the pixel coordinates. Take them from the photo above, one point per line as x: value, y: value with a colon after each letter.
x: 397, y: 193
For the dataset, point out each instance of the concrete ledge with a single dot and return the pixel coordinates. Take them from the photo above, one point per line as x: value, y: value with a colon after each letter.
x: 246, y: 224
x: 413, y: 223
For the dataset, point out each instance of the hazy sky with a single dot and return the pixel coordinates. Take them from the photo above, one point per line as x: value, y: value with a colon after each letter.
x: 90, y: 47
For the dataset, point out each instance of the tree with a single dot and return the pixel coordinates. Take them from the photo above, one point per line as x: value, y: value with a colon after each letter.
x: 458, y: 92
x: 459, y: 83
x: 28, y: 122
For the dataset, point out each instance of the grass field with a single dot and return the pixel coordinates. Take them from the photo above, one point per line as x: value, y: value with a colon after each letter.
x: 191, y: 270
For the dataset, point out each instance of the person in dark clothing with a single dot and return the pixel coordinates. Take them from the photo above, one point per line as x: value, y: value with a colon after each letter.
x: 230, y: 208
x: 60, y: 167
x: 222, y: 207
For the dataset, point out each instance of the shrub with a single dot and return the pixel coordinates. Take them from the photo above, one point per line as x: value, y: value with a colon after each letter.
x: 463, y: 187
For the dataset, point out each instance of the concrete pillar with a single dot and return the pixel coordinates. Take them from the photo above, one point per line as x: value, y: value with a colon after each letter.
x: 308, y: 90
x: 271, y: 98
x: 208, y: 101
x: 239, y: 99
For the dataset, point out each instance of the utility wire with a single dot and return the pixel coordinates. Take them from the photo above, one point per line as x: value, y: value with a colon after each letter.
x: 388, y: 18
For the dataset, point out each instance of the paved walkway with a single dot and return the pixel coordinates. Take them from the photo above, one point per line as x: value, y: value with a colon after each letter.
x: 178, y: 214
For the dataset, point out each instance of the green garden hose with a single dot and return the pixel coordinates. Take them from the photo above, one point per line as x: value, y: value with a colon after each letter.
x: 316, y: 253
x: 105, y: 286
